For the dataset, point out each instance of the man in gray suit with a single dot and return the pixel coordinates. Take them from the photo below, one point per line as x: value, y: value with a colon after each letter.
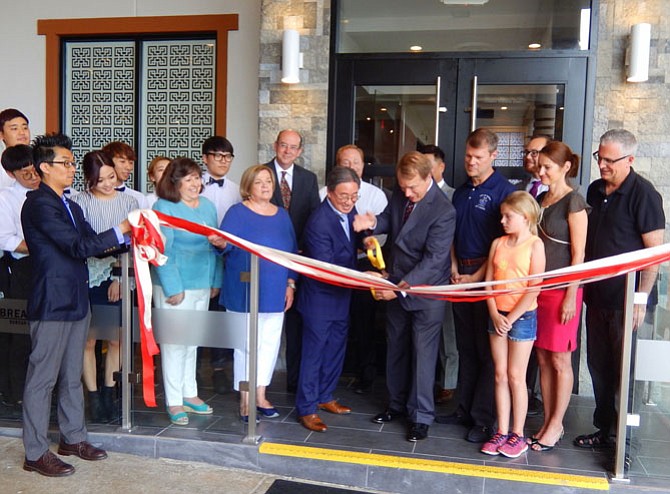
x: 420, y: 222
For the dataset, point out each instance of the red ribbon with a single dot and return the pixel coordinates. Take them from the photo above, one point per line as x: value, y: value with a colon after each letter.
x: 149, y: 242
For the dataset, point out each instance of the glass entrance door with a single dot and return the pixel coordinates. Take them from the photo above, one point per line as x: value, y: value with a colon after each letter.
x: 388, y: 108
x: 518, y: 98
x: 389, y: 105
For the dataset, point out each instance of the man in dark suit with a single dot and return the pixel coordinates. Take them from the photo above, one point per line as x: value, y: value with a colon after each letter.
x: 59, y: 241
x: 420, y: 222
x: 329, y: 237
x: 297, y: 191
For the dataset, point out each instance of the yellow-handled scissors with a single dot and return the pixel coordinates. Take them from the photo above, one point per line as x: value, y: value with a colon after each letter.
x: 375, y: 255
x: 376, y: 259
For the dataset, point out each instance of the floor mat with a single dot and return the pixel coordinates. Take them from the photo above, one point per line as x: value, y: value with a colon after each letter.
x: 289, y: 487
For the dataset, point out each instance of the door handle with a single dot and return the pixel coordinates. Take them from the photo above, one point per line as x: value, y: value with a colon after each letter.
x: 473, y: 114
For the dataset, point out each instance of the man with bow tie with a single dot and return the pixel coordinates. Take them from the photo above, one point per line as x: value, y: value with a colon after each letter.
x: 531, y: 152
x: 217, y: 155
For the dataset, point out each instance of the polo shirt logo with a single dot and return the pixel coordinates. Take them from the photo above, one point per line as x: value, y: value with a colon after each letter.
x: 483, y: 202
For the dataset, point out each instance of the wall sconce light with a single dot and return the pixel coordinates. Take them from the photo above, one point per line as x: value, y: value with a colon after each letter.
x: 637, y: 55
x: 291, y: 57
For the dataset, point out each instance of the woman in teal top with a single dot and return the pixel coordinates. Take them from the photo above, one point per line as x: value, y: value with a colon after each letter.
x: 187, y: 281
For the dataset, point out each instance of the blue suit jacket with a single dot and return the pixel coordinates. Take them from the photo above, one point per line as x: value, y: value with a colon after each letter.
x: 325, y: 240
x: 420, y: 248
x: 58, y: 251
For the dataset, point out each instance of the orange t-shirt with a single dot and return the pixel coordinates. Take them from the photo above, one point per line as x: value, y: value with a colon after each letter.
x: 511, y: 262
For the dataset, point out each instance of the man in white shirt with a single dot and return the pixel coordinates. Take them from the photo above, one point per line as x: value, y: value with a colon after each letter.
x: 363, y: 306
x: 217, y: 155
x: 14, y: 130
x: 17, y: 161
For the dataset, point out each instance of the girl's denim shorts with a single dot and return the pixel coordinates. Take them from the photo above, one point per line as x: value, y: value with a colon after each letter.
x: 523, y: 329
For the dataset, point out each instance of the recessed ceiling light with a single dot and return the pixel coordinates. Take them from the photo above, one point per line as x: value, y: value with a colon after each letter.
x: 383, y: 108
x: 391, y: 131
x: 503, y: 108
x: 368, y: 118
x: 535, y: 46
x: 416, y: 48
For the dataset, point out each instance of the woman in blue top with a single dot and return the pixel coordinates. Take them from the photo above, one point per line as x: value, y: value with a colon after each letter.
x: 259, y: 221
x: 186, y: 281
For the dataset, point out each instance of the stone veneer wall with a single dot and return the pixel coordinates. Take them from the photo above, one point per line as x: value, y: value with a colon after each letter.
x: 639, y: 107
x: 302, y: 106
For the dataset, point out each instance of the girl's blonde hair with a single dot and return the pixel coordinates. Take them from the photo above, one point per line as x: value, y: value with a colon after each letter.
x: 521, y: 202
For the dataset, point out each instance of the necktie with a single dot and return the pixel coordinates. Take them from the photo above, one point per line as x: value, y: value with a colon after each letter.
x: 121, y: 188
x: 408, y: 210
x: 213, y: 180
x: 285, y: 191
x: 534, y: 188
x: 345, y: 225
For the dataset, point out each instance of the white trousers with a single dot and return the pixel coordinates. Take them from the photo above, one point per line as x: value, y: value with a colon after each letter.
x: 269, y: 338
x: 179, y: 361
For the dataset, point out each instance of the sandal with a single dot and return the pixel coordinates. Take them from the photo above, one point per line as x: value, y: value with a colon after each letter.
x: 597, y: 440
x: 538, y: 446
x: 179, y: 418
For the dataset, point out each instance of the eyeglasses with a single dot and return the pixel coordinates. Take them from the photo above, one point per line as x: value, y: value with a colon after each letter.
x: 292, y: 147
x: 222, y: 156
x: 532, y: 152
x: 28, y: 174
x: 348, y: 197
x: 66, y: 164
x: 607, y: 161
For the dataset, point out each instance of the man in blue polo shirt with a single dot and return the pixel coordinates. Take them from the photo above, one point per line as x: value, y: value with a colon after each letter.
x: 627, y: 215
x: 477, y: 204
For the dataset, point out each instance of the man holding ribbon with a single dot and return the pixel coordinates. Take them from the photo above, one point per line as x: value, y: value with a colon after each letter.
x: 59, y: 241
x: 329, y: 237
x: 420, y: 222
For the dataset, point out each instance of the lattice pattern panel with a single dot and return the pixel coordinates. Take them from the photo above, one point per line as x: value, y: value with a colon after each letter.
x: 178, y: 91
x: 100, y: 92
x: 510, y: 149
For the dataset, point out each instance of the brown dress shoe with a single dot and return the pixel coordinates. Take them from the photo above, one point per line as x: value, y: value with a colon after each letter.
x: 334, y: 407
x: 84, y: 450
x: 49, y: 465
x: 444, y: 395
x: 313, y: 423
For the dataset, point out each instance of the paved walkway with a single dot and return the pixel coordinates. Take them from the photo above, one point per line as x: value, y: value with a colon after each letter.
x: 124, y: 473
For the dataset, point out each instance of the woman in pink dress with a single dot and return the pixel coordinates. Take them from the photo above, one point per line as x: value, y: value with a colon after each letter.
x: 562, y: 228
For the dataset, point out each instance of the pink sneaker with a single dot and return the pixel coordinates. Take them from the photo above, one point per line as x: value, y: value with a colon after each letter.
x: 491, y: 446
x: 514, y: 447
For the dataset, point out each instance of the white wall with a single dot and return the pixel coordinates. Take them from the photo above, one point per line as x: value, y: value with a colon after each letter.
x: 22, y: 76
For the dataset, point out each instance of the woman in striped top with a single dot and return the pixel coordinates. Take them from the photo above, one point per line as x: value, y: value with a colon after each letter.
x: 103, y: 208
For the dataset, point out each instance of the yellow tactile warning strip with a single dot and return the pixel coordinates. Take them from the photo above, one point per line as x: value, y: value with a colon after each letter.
x: 491, y: 472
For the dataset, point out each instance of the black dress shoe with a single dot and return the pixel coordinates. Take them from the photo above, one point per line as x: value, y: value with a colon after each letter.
x: 386, y: 416
x: 454, y: 419
x: 49, y: 465
x: 84, y: 450
x: 417, y: 432
x: 479, y: 434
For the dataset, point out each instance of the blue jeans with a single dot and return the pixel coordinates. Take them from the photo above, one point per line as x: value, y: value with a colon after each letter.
x: 523, y: 329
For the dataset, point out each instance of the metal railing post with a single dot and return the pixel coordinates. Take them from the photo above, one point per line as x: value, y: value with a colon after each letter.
x: 126, y: 344
x: 251, y: 437
x: 619, y: 473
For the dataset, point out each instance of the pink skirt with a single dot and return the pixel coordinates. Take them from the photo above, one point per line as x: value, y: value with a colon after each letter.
x: 551, y: 334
